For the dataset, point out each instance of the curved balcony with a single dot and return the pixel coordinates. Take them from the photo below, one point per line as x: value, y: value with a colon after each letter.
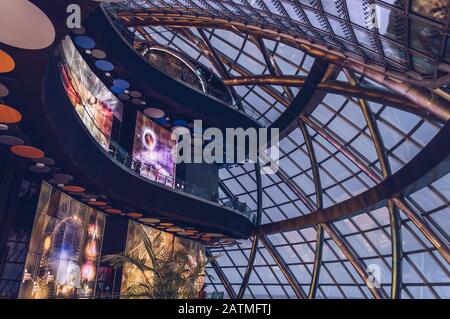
x: 177, y: 95
x: 114, y: 173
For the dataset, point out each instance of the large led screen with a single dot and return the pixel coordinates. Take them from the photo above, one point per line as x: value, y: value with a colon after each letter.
x: 152, y: 151
x: 65, y: 247
x: 168, y: 250
x: 93, y: 101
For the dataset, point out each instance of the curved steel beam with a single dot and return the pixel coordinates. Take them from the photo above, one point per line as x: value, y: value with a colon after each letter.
x: 217, y: 62
x: 272, y: 65
x: 254, y: 250
x: 302, y: 100
x: 333, y: 86
x: 435, y: 239
x: 394, y: 218
x: 284, y: 269
x: 340, y: 242
x: 430, y: 164
x: 222, y: 276
x: 319, y: 204
x: 179, y: 17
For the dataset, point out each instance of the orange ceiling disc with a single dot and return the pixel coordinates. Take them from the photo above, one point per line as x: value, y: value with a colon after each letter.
x: 135, y: 215
x: 186, y: 233
x: 167, y: 224
x: 113, y: 211
x: 9, y: 115
x: 211, y: 235
x: 98, y: 203
x: 7, y: 63
x: 27, y: 151
x: 175, y: 230
x: 74, y: 189
x: 150, y: 220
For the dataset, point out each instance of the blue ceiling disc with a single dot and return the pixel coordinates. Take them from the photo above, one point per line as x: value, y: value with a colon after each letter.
x: 161, y: 120
x: 116, y: 90
x: 104, y: 65
x: 180, y: 123
x: 121, y: 84
x: 84, y: 42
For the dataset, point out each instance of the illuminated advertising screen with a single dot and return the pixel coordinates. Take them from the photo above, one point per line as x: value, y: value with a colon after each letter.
x: 65, y: 248
x: 152, y: 151
x: 93, y: 101
x: 185, y: 257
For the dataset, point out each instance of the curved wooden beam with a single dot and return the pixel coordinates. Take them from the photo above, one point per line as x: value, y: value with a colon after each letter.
x: 333, y: 86
x: 430, y: 164
x: 184, y: 17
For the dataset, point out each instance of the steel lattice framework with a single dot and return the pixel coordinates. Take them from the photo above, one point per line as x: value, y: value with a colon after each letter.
x: 382, y: 101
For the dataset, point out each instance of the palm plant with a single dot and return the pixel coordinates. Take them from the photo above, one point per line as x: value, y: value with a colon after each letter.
x: 165, y: 270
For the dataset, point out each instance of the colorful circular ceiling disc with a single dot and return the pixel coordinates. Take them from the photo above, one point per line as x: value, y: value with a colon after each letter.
x: 174, y: 230
x: 180, y: 130
x: 3, y: 90
x: 45, y: 160
x: 9, y: 115
x: 27, y: 151
x: 116, y: 90
x: 84, y: 42
x: 10, y: 140
x: 166, y: 224
x: 74, y: 189
x: 150, y: 220
x: 24, y: 25
x: 98, y: 54
x: 121, y: 84
x: 113, y: 211
x: 136, y: 94
x: 135, y: 215
x: 154, y: 113
x: 98, y: 203
x: 185, y: 233
x: 7, y: 63
x: 124, y: 97
x: 104, y: 65
x: 213, y: 235
x: 180, y: 123
x: 79, y: 31
x: 65, y: 177
x: 40, y: 170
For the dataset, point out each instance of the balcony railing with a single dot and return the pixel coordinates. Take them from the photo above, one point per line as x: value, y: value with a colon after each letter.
x: 211, y: 90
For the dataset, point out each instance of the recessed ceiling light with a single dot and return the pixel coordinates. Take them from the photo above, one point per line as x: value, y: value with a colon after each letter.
x: 40, y: 165
x: 3, y: 127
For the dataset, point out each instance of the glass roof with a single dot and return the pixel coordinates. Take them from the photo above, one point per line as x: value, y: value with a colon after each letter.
x: 343, y: 147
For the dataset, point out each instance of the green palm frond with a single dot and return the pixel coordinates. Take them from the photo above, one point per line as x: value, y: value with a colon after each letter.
x: 172, y: 278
